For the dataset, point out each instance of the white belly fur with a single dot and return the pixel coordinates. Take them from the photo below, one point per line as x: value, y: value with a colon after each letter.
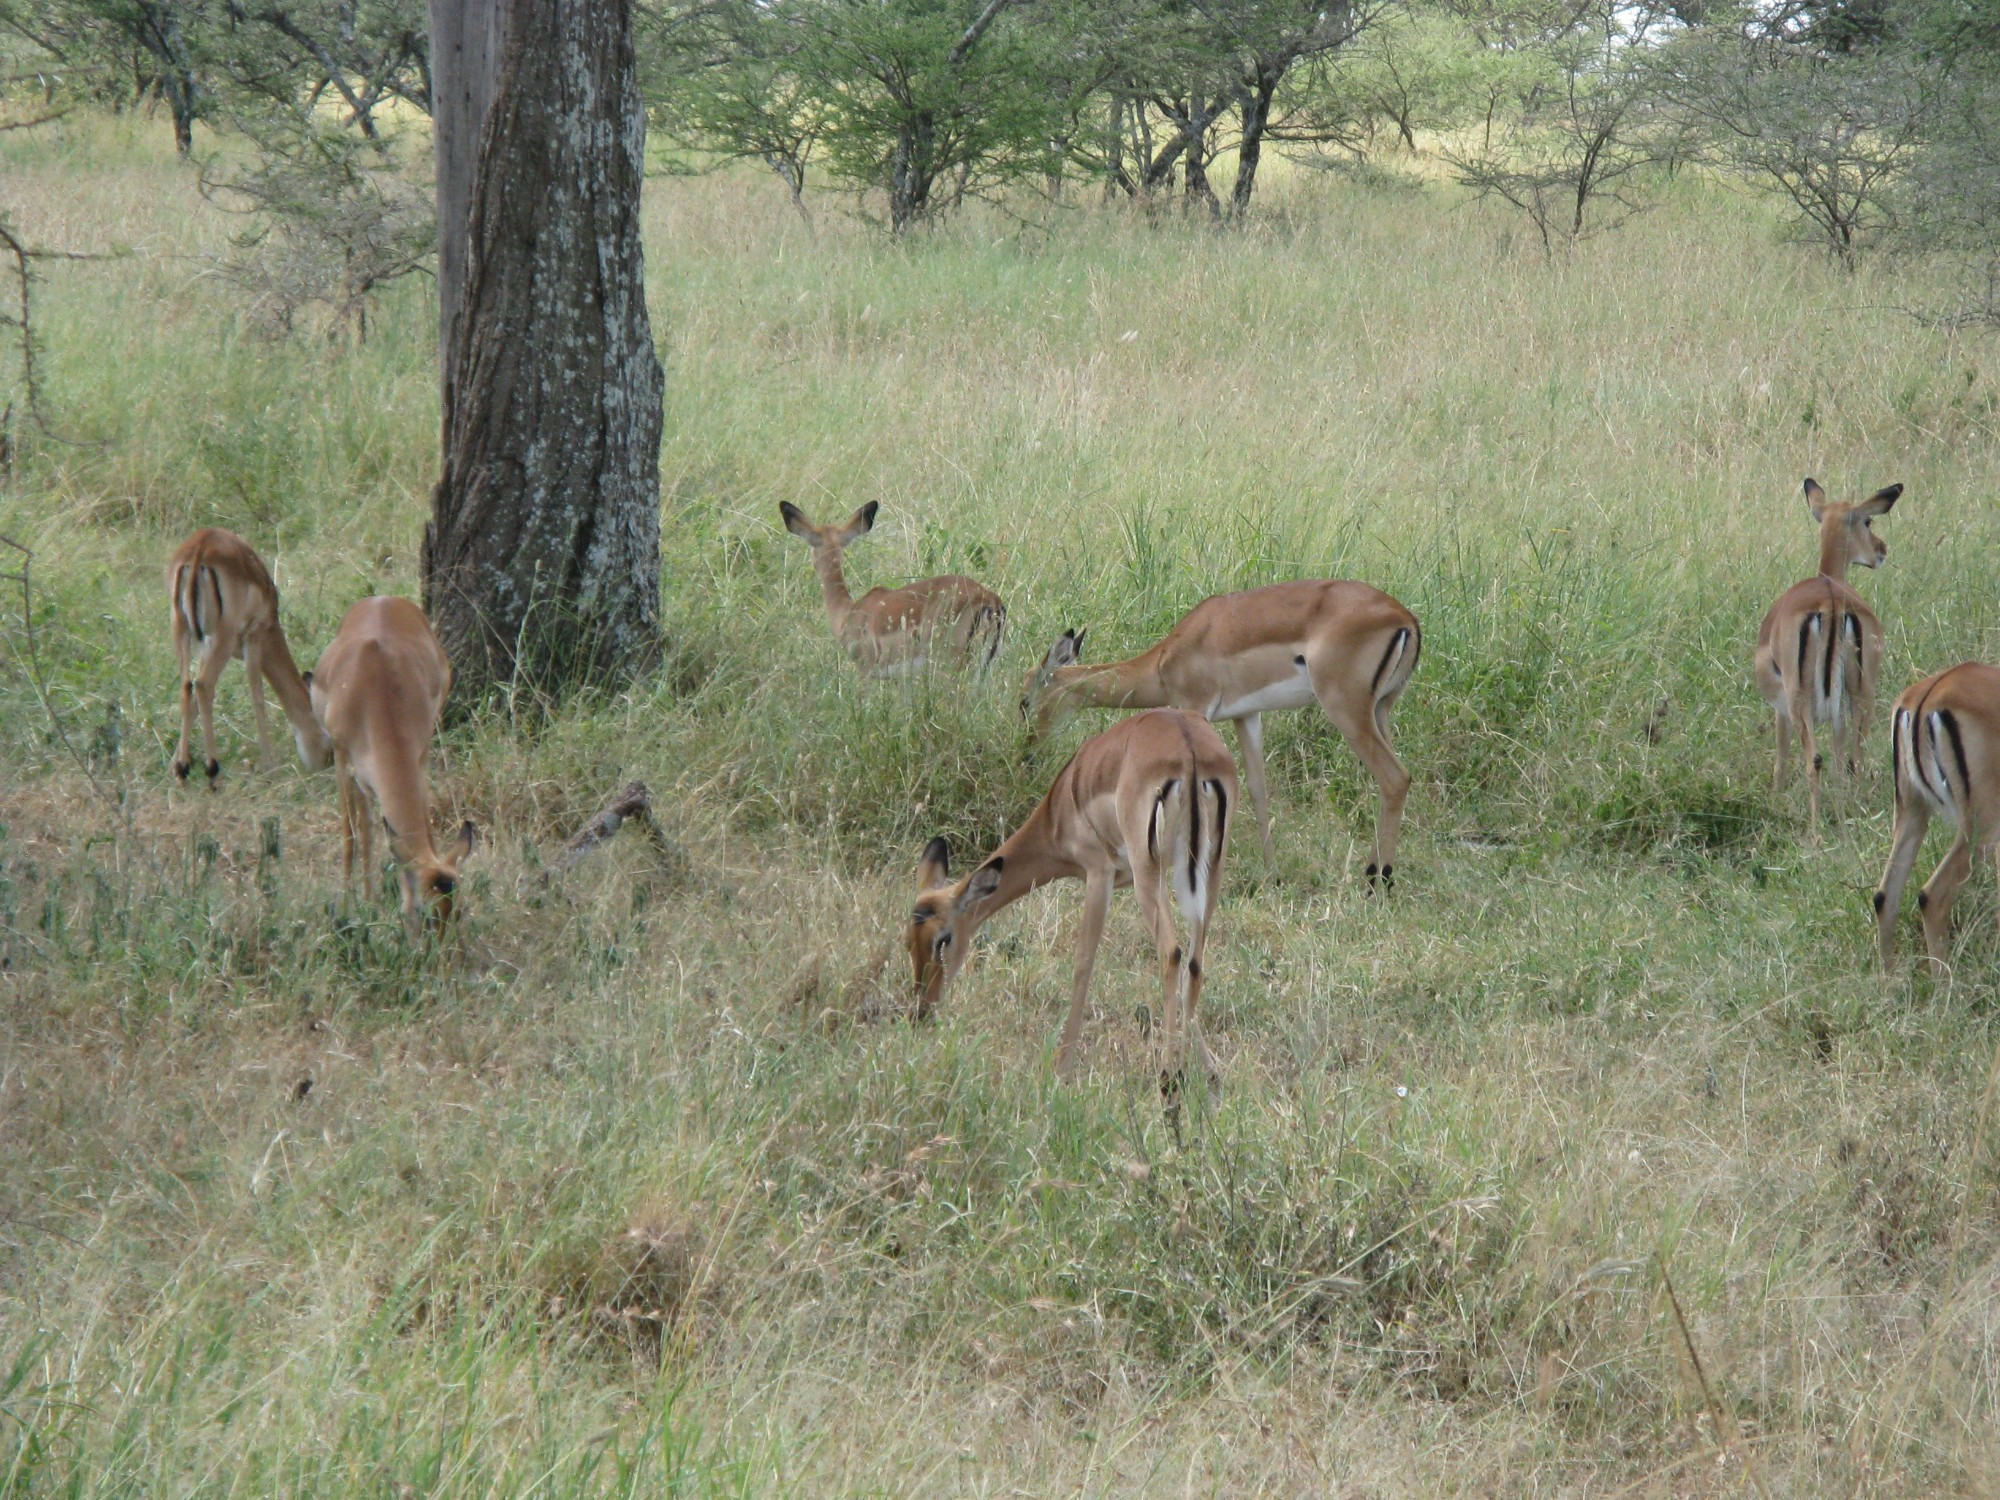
x: 1291, y: 692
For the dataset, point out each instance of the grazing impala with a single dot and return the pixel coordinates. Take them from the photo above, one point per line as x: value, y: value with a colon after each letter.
x: 379, y: 689
x: 1145, y: 803
x: 888, y: 631
x: 1346, y: 645
x: 224, y: 605
x: 1820, y: 647
x: 1944, y: 737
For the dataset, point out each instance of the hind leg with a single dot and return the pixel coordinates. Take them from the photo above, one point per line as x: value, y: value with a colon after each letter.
x: 1392, y: 782
x: 221, y: 647
x: 183, y: 649
x: 1913, y: 819
x: 1937, y: 895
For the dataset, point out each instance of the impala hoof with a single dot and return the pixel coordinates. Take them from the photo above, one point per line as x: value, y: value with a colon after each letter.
x: 182, y: 767
x: 214, y: 771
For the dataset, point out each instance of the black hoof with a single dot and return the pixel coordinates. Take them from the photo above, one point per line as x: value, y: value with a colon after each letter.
x: 214, y: 770
x: 182, y: 767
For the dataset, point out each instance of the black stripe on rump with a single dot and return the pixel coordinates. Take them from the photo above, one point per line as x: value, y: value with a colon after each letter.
x: 1395, y: 642
x: 1826, y: 662
x: 1957, y: 752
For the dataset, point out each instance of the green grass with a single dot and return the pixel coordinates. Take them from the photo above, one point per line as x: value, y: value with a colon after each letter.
x: 622, y: 1199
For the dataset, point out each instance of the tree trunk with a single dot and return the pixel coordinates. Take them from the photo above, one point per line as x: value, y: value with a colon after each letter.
x: 1256, y: 113
x: 542, y: 560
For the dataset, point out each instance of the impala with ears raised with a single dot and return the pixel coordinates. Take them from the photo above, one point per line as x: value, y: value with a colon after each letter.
x: 379, y: 690
x: 888, y: 631
x: 1146, y: 804
x: 1819, y: 649
x: 224, y: 605
x: 1944, y: 740
x: 1346, y: 646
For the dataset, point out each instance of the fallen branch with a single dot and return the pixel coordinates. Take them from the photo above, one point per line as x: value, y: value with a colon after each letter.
x: 633, y: 804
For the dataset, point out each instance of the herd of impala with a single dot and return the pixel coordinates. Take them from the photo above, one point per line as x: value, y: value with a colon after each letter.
x: 1146, y: 803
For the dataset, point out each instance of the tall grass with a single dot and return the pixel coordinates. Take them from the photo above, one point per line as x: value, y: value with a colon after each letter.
x: 623, y: 1198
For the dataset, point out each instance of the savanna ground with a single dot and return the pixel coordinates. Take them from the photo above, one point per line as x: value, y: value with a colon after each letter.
x: 623, y: 1199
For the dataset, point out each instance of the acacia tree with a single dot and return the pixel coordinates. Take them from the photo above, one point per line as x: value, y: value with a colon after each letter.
x: 541, y: 562
x: 1589, y: 127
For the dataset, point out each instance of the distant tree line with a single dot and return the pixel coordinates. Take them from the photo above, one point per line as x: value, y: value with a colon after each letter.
x: 1874, y: 120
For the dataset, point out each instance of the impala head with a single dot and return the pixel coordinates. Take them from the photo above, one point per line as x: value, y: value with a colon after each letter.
x: 828, y: 540
x: 315, y: 744
x: 1845, y: 537
x: 946, y: 915
x: 1040, y: 702
x: 430, y: 880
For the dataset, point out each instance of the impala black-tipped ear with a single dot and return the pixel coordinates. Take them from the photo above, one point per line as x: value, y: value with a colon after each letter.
x: 796, y: 522
x: 984, y: 882
x: 1076, y: 640
x: 865, y: 517
x: 468, y: 840
x: 1815, y: 498
x: 934, y: 869
x: 1881, y: 502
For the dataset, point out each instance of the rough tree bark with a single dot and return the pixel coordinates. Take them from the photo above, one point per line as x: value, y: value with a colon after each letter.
x: 542, y: 559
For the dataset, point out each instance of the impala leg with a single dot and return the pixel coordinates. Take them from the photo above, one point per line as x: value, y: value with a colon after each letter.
x: 1096, y: 900
x: 1937, y: 895
x: 343, y: 781
x: 1913, y: 820
x: 1250, y: 734
x: 1784, y: 751
x: 183, y: 649
x: 221, y: 647
x: 253, y: 668
x: 1392, y: 782
x: 1801, y: 717
x: 1159, y: 925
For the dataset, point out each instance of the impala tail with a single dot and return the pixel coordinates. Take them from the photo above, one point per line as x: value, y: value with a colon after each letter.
x: 1185, y: 837
x: 193, y: 581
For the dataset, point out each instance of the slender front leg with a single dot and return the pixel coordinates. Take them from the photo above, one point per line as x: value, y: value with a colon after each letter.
x: 253, y: 668
x: 1096, y: 899
x: 1250, y: 735
x: 1912, y: 820
x: 343, y: 782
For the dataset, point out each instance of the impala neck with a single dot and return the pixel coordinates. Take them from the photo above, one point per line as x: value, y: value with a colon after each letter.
x: 1027, y: 864
x: 832, y: 583
x: 282, y: 672
x: 1834, y: 549
x: 1133, y: 683
x: 399, y: 789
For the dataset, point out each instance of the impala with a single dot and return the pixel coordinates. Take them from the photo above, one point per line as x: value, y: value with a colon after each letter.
x: 888, y: 631
x: 1820, y: 647
x: 224, y: 605
x: 1944, y: 737
x: 379, y: 689
x: 1349, y: 647
x: 1145, y: 804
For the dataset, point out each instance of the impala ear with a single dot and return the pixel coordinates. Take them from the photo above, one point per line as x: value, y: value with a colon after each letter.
x: 934, y: 869
x: 462, y: 847
x: 1076, y: 643
x: 981, y: 883
x: 860, y: 523
x: 1815, y: 499
x: 1881, y: 502
x: 796, y: 522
